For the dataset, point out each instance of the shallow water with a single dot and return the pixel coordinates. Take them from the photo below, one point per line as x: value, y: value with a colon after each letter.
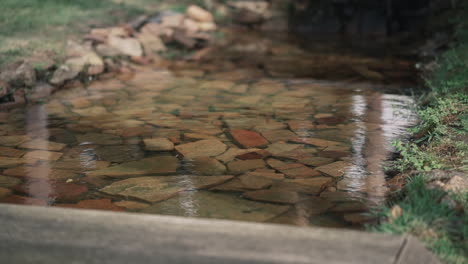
x: 228, y: 142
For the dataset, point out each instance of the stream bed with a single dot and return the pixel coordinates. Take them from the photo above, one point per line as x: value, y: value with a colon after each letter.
x: 263, y: 130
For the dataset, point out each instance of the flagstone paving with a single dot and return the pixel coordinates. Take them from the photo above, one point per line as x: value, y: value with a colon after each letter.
x: 210, y: 139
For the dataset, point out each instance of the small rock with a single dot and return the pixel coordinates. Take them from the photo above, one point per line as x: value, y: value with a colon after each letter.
x: 8, y: 182
x: 127, y: 46
x: 11, y: 152
x: 199, y: 14
x: 158, y: 165
x: 100, y: 204
x: 131, y: 205
x: 42, y: 145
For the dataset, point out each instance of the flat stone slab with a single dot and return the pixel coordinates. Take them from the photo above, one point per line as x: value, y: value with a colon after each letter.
x: 150, y: 166
x: 59, y: 235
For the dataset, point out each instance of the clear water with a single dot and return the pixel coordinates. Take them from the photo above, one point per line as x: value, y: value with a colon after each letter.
x: 125, y: 143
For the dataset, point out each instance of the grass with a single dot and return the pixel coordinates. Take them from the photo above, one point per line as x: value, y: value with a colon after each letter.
x: 40, y: 28
x: 439, y: 226
x: 439, y: 142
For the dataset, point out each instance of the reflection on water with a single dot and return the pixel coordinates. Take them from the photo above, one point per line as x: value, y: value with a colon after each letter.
x: 241, y: 146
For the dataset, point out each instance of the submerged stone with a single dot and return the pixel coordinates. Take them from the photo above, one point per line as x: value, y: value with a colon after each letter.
x: 202, y: 148
x: 248, y: 139
x: 154, y: 189
x: 240, y: 166
x: 158, y: 165
x: 11, y: 152
x: 273, y: 196
x: 335, y: 169
x: 158, y: 144
x: 43, y: 155
x: 119, y: 153
x: 43, y: 145
x: 99, y: 204
x: 99, y: 139
x: 217, y: 205
x: 206, y: 166
x: 7, y: 182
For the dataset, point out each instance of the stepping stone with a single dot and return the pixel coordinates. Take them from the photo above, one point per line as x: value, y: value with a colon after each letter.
x: 248, y: 139
x: 8, y: 182
x: 158, y: 165
x: 202, y: 148
x: 99, y: 139
x: 158, y: 144
x: 206, y: 166
x: 335, y: 169
x: 11, y: 162
x: 154, y: 189
x: 99, y: 204
x: 241, y: 166
x: 217, y: 205
x: 42, y: 145
x: 43, y: 155
x: 316, y: 161
x: 13, y: 141
x: 273, y: 196
x: 11, y: 152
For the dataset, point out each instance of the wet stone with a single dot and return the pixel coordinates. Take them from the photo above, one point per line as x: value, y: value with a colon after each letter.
x: 43, y: 145
x: 18, y: 199
x: 293, y: 170
x: 157, y: 165
x: 44, y: 172
x: 308, y: 186
x: 131, y: 205
x: 154, y: 189
x: 206, y: 166
x: 218, y: 205
x: 339, y: 196
x: 273, y: 196
x: 158, y: 144
x: 241, y: 166
x: 232, y: 153
x: 99, y: 139
x: 13, y: 141
x: 119, y: 153
x: 4, y: 192
x: 313, y: 206
x: 8, y: 182
x: 11, y: 152
x: 11, y: 162
x: 248, y: 139
x: 279, y: 135
x: 99, y: 204
x: 336, y: 169
x: 43, y: 155
x: 349, y: 207
x: 280, y: 147
x: 202, y: 148
x: 358, y: 218
x: 52, y: 190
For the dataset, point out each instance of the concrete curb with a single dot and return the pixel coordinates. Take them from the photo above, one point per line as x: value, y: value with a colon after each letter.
x: 57, y: 235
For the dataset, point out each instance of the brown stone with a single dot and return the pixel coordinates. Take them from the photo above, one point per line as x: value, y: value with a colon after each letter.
x: 11, y: 152
x: 4, y: 192
x: 17, y: 199
x: 256, y: 154
x: 158, y: 144
x: 273, y: 196
x: 202, y: 148
x: 43, y: 145
x: 131, y: 205
x: 335, y: 169
x: 52, y: 190
x: 248, y: 139
x: 100, y: 204
x: 309, y: 186
x: 241, y: 166
x: 156, y: 165
x: 206, y: 166
x: 43, y: 155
